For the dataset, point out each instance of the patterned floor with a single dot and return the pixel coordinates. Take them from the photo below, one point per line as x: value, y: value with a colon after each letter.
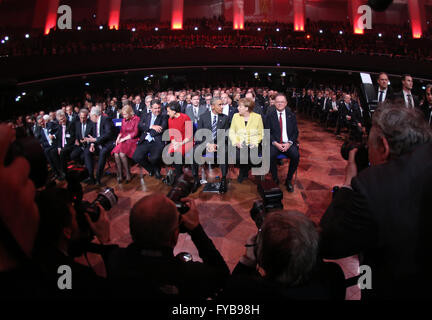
x: 226, y: 218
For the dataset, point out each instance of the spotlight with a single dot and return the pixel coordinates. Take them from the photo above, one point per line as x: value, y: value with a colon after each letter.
x: 259, y: 29
x: 380, y: 34
x: 151, y: 76
x: 23, y: 94
x: 389, y: 82
x: 277, y: 29
x: 17, y: 98
x: 79, y: 28
x: 87, y: 84
x: 156, y: 29
x: 256, y: 74
x: 308, y: 36
x: 145, y: 78
x: 321, y: 31
x: 196, y: 28
x: 100, y: 27
x: 133, y: 29
x: 219, y: 28
x: 6, y: 38
x: 27, y: 36
x: 399, y: 36
x: 269, y: 74
x: 424, y: 88
x: 283, y: 74
x: 340, y: 32
x: 3, y: 41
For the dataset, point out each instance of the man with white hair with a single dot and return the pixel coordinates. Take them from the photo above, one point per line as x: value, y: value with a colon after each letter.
x: 102, y: 142
x: 46, y: 137
x: 65, y: 139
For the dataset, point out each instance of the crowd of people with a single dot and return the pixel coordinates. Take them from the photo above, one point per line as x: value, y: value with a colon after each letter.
x: 394, y: 41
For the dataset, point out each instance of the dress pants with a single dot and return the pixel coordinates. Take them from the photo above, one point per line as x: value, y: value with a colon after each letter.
x: 292, y: 153
x: 103, y: 152
x: 150, y: 162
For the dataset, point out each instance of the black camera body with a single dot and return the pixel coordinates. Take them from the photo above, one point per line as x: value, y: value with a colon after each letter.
x: 271, y: 199
x: 182, y: 188
x: 362, y: 155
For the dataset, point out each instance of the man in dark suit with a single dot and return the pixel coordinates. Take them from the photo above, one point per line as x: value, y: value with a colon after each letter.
x: 138, y: 106
x: 385, y: 93
x: 84, y: 128
x: 227, y: 109
x: 47, y: 140
x: 71, y: 116
x: 410, y: 100
x: 213, y: 120
x: 112, y: 111
x: 379, y: 214
x: 154, y: 228
x: 282, y: 124
x: 150, y: 145
x: 427, y: 104
x: 182, y: 101
x: 65, y: 139
x: 349, y: 117
x: 194, y: 111
x: 102, y: 142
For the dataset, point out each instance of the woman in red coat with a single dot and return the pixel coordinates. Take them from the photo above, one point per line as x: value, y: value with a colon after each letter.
x: 181, y: 133
x: 126, y: 142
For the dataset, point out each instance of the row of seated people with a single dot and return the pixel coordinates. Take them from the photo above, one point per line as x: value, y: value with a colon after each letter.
x: 344, y: 110
x: 80, y: 137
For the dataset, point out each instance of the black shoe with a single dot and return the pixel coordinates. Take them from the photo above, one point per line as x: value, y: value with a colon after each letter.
x: 196, y: 185
x: 223, y: 186
x: 157, y: 174
x: 98, y: 182
x: 289, y: 186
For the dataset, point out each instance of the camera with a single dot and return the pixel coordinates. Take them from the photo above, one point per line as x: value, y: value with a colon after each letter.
x: 182, y: 188
x: 107, y: 199
x: 362, y: 155
x: 271, y: 199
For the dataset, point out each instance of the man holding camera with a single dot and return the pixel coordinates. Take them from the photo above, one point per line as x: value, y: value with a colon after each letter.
x: 383, y: 213
x: 147, y: 268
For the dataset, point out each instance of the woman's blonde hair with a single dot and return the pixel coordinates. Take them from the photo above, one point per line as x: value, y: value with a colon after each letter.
x: 248, y: 103
x: 128, y: 109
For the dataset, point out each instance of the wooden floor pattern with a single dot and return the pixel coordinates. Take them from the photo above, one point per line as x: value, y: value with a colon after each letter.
x: 226, y: 218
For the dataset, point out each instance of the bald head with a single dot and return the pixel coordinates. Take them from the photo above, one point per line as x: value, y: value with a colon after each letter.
x: 154, y: 221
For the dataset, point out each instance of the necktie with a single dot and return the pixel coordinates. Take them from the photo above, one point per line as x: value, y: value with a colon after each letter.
x: 410, y: 105
x: 83, y: 131
x: 47, y: 136
x: 281, y: 126
x: 214, y: 128
x: 63, y: 138
x: 149, y: 138
x: 380, y: 96
x: 98, y: 129
x: 195, y: 110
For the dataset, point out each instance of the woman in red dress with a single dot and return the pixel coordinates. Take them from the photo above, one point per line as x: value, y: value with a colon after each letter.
x: 181, y: 133
x: 126, y: 142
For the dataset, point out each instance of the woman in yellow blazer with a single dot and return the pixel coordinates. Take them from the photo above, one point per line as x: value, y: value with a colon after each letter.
x: 246, y: 131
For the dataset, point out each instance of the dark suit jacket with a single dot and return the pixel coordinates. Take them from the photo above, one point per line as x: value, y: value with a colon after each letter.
x: 144, y: 127
x: 40, y: 135
x: 386, y: 217
x: 107, y: 133
x: 399, y: 98
x: 389, y: 95
x: 90, y: 130
x: 113, y: 113
x: 205, y: 122
x: 354, y: 112
x: 142, y: 108
x: 427, y: 110
x: 272, y: 123
x: 70, y: 135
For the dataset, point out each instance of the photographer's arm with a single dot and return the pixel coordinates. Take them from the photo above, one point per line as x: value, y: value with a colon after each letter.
x: 206, y: 249
x: 101, y: 228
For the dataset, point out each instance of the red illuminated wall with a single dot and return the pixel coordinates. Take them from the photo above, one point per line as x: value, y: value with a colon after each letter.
x: 353, y: 6
x: 177, y: 15
x: 238, y: 14
x: 415, y: 17
x: 299, y: 15
x: 45, y: 14
x: 114, y: 14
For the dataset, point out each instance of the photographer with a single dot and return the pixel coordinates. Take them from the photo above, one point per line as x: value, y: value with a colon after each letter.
x: 286, y: 249
x: 148, y: 269
x: 382, y: 211
x: 62, y: 228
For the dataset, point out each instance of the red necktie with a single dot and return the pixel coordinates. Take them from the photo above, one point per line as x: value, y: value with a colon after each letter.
x: 281, y: 126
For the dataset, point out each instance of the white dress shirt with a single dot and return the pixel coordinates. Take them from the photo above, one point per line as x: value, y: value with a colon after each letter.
x: 285, y: 138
